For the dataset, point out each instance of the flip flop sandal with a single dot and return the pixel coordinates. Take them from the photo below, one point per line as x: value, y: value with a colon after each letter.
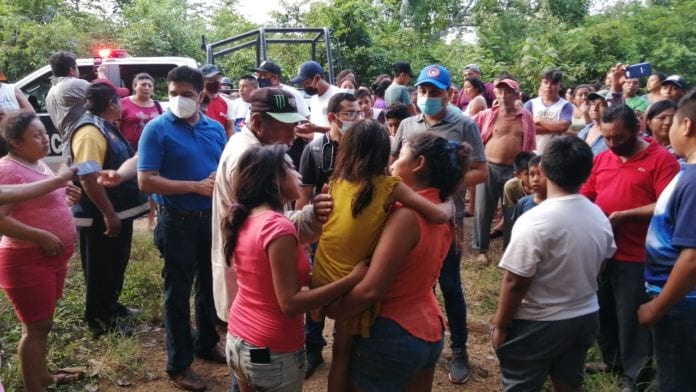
x: 495, y: 234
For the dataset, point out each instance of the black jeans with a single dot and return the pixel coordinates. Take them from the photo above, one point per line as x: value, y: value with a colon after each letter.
x: 104, y: 261
x: 185, y: 243
x: 625, y: 345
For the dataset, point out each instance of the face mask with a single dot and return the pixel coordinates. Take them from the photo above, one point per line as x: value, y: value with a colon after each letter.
x: 625, y: 149
x: 311, y: 91
x: 182, y: 107
x: 349, y: 91
x: 213, y: 87
x: 264, y: 82
x: 345, y: 126
x: 430, y: 106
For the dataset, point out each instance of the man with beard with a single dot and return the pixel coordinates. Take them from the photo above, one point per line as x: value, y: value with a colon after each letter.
x: 625, y: 183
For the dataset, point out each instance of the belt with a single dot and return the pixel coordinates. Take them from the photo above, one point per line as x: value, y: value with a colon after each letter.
x: 207, y: 213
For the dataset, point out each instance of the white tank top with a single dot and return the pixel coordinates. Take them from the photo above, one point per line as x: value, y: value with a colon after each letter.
x: 8, y: 101
x: 552, y: 112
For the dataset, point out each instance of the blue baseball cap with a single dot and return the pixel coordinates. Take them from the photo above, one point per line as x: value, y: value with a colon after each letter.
x: 307, y: 70
x: 436, y: 75
x: 209, y: 70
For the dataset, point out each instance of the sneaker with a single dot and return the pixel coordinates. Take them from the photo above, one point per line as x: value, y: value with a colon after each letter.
x: 459, y: 366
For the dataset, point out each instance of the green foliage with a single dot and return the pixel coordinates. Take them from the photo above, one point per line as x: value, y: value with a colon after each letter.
x: 113, y: 357
x: 161, y: 28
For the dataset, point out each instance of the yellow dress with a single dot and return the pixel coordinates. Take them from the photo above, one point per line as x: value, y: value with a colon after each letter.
x: 345, y: 241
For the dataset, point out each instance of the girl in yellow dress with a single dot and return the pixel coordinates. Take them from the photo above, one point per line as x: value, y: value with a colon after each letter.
x: 362, y: 194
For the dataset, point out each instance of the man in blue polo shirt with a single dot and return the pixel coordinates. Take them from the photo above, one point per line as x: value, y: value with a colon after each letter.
x: 178, y: 156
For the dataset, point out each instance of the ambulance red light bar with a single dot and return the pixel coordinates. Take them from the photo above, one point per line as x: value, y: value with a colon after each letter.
x: 113, y: 53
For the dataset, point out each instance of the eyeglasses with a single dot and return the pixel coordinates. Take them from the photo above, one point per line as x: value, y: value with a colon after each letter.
x: 352, y: 114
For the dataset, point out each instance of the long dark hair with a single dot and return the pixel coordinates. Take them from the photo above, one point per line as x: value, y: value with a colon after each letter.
x: 256, y: 181
x: 362, y: 155
x: 446, y: 162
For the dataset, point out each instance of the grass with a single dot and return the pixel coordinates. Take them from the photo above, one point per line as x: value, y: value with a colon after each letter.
x: 117, y: 359
x: 482, y: 286
x: 113, y: 357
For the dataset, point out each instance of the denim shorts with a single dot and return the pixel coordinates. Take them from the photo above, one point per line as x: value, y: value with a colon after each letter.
x: 390, y: 357
x: 285, y: 373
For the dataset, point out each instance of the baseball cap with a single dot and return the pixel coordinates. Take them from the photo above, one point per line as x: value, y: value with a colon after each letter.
x: 120, y: 91
x: 435, y: 74
x: 472, y: 67
x: 209, y: 70
x: 277, y: 103
x: 307, y: 70
x: 268, y: 66
x: 403, y: 66
x: 596, y: 95
x: 509, y: 83
x: 675, y: 80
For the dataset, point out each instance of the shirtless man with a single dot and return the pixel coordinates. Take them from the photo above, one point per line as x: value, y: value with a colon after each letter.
x: 506, y: 130
x: 552, y: 114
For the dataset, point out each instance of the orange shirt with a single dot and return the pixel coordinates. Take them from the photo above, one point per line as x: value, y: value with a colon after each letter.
x: 410, y: 302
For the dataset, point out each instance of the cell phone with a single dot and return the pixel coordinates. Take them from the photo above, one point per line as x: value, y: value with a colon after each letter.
x: 638, y: 70
x: 87, y: 167
x: 260, y: 355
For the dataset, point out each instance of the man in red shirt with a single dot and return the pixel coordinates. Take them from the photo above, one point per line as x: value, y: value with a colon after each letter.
x: 625, y: 183
x: 217, y: 108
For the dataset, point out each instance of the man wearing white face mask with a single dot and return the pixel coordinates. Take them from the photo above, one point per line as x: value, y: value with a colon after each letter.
x: 319, y: 156
x: 434, y: 83
x: 178, y: 156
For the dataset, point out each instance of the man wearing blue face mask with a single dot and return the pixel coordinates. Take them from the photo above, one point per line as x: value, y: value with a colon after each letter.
x: 178, y: 155
x: 434, y: 83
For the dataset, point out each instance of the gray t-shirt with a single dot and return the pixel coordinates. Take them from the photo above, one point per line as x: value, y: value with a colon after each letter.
x: 397, y: 93
x: 455, y: 126
x: 65, y: 102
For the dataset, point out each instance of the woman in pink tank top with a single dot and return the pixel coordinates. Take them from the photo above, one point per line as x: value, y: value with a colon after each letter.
x: 38, y: 235
x: 406, y: 338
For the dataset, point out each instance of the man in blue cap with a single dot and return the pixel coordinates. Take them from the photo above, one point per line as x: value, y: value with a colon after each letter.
x: 311, y: 77
x: 217, y: 108
x: 434, y: 83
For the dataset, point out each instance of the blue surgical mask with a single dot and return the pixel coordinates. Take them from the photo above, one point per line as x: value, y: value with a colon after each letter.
x: 430, y: 106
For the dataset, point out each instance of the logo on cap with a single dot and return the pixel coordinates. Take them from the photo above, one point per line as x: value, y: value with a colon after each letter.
x: 433, y: 72
x: 279, y: 101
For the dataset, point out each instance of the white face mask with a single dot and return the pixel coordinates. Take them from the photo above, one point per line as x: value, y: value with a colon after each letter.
x: 345, y: 126
x: 182, y: 107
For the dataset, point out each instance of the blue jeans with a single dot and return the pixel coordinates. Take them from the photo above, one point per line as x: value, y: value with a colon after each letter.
x: 390, y: 357
x: 185, y: 243
x: 455, y: 306
x: 675, y: 349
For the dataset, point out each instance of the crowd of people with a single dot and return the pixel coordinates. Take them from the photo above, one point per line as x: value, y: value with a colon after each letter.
x: 360, y: 196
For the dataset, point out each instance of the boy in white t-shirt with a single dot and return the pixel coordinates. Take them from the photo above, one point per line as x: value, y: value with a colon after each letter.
x: 549, y: 288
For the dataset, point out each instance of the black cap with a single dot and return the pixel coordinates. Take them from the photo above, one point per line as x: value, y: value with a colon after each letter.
x: 268, y: 66
x: 403, y: 66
